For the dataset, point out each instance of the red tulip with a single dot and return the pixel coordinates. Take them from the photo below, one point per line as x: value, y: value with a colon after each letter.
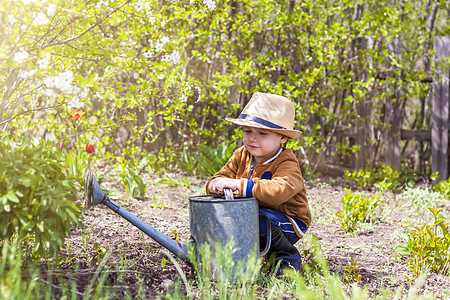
x: 76, y: 114
x: 90, y: 148
x: 60, y: 145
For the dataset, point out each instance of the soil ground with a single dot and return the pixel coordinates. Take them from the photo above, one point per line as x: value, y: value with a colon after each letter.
x: 133, y: 257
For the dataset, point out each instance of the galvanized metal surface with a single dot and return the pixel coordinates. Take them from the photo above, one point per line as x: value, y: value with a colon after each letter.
x: 217, y: 220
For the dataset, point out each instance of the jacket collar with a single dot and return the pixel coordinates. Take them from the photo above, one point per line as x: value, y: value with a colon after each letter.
x: 270, y: 158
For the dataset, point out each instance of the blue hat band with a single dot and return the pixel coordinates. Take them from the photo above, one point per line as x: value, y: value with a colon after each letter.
x: 260, y: 121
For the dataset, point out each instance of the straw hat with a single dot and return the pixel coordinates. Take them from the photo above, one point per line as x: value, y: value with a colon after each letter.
x: 271, y: 112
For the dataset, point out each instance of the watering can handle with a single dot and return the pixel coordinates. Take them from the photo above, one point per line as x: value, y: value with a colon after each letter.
x: 268, y: 234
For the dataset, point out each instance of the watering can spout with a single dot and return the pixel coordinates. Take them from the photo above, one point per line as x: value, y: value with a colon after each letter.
x: 95, y: 195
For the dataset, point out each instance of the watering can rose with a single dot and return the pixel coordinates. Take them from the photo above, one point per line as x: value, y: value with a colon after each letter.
x: 90, y: 148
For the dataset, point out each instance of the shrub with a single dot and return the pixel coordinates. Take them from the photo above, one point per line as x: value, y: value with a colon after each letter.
x: 35, y: 197
x: 357, y: 209
x: 443, y: 188
x: 367, y: 177
x: 207, y: 160
x: 427, y: 246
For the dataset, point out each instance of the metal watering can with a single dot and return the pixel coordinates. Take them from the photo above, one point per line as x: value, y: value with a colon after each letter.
x: 214, y: 220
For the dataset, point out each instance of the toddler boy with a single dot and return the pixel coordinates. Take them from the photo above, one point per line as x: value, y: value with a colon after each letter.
x: 263, y: 168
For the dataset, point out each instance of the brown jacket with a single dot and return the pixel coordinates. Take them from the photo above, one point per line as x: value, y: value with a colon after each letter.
x: 276, y: 182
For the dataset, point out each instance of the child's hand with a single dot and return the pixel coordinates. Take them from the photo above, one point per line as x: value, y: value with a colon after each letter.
x: 218, y: 184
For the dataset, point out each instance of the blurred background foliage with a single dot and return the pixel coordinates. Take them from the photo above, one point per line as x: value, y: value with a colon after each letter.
x: 152, y: 81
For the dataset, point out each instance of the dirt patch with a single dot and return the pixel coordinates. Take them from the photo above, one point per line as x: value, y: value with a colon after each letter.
x: 130, y: 258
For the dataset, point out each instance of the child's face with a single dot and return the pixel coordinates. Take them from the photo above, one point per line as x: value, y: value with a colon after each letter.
x: 261, y: 143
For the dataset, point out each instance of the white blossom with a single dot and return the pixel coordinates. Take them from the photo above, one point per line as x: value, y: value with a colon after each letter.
x: 84, y: 92
x: 183, y: 98
x: 26, y: 74
x: 41, y: 19
x: 63, y: 81
x: 211, y: 4
x: 161, y: 43
x: 43, y: 63
x: 147, y: 54
x: 142, y: 5
x: 199, y: 90
x: 12, y: 19
x: 49, y: 92
x: 20, y: 56
x: 51, y: 9
x: 75, y: 103
x: 174, y: 57
x: 26, y: 2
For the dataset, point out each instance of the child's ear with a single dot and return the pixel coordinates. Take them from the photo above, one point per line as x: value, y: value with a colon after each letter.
x: 284, y: 139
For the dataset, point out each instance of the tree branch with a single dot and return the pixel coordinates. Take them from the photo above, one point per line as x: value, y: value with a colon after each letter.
x: 83, y: 33
x: 30, y: 111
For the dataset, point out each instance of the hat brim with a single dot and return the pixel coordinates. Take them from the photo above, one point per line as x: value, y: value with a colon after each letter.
x: 293, y: 134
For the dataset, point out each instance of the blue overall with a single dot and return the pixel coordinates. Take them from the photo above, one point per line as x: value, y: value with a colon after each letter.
x: 277, y: 218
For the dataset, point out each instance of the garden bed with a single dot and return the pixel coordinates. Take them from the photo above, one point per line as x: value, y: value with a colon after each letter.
x: 134, y: 261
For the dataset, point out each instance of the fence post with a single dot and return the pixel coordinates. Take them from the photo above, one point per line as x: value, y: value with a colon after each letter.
x: 393, y: 111
x: 439, y: 129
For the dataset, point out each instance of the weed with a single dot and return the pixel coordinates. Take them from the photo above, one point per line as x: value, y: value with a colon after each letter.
x: 427, y: 246
x: 146, y: 247
x: 357, y: 209
x: 183, y: 182
x: 86, y: 236
x: 176, y: 231
x: 351, y: 272
x: 157, y: 204
x: 101, y: 251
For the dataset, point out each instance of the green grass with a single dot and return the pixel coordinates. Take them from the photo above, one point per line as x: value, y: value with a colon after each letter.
x: 315, y: 282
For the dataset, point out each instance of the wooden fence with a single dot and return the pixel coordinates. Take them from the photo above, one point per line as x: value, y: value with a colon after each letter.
x: 439, y: 129
x: 438, y: 135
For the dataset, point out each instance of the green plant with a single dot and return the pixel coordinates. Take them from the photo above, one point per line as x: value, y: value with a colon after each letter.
x: 351, y: 272
x: 183, y: 182
x: 367, y: 177
x: 422, y: 197
x: 157, y: 204
x: 443, y: 187
x: 428, y: 246
x: 357, y: 209
x: 86, y: 236
x: 12, y: 273
x: 211, y: 159
x: 76, y: 162
x: 176, y: 231
x: 132, y: 181
x: 362, y: 177
x: 35, y: 197
x: 101, y: 252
